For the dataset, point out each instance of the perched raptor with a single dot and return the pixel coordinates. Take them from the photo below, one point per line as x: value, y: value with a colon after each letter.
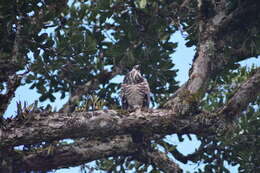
x: 135, y: 91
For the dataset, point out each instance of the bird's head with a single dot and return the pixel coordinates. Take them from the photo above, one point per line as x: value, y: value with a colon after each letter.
x: 135, y: 73
x: 134, y: 76
x: 137, y: 67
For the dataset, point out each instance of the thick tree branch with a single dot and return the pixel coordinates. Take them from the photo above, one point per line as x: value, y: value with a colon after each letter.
x: 46, y: 127
x: 80, y: 152
x: 109, y: 123
x: 183, y: 117
x: 242, y: 53
x: 205, y: 65
x: 210, y: 58
x: 245, y: 94
x: 103, y: 123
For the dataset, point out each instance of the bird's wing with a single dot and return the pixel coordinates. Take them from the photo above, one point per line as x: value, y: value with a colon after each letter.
x: 127, y: 78
x: 123, y: 95
x: 145, y: 90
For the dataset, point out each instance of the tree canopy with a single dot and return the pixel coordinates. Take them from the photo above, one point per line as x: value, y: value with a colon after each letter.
x: 78, y: 47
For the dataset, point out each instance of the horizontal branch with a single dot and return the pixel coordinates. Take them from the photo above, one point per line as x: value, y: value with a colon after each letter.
x: 65, y: 156
x: 38, y: 127
x: 83, y: 151
x: 103, y: 123
x: 182, y: 118
x: 242, y: 54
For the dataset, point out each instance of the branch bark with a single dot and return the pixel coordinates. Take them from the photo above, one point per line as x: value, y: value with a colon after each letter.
x: 246, y: 13
x: 210, y: 58
x: 245, y: 94
x: 182, y: 118
x: 108, y: 123
x: 80, y: 152
x: 104, y: 123
x: 13, y: 83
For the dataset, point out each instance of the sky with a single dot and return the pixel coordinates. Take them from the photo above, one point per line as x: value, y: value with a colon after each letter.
x: 182, y: 59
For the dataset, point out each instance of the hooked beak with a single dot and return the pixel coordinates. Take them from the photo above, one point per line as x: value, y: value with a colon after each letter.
x: 137, y: 67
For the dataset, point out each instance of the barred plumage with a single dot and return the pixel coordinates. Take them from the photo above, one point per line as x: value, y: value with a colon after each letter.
x: 135, y: 91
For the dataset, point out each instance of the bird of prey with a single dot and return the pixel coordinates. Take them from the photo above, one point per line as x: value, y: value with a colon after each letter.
x: 135, y: 91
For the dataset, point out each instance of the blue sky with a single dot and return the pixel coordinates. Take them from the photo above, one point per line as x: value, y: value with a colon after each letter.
x: 182, y: 58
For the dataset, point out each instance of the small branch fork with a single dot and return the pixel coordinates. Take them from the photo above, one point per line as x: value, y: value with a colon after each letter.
x: 13, y: 83
x: 85, y: 90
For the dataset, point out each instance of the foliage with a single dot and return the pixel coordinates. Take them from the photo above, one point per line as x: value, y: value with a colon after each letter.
x: 239, y: 145
x: 97, y: 37
x: 93, y: 41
